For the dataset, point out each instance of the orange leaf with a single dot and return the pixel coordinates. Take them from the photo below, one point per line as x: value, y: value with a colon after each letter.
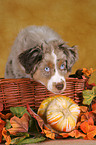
x: 83, y: 118
x: 83, y: 108
x: 49, y: 134
x: 87, y: 115
x: 2, y: 124
x: 89, y: 128
x: 6, y: 136
x: 78, y: 125
x: 84, y: 127
x: 64, y: 135
x: 76, y: 134
x: 91, y: 135
x: 84, y: 114
x: 88, y: 72
x: 19, y: 124
x: 90, y: 121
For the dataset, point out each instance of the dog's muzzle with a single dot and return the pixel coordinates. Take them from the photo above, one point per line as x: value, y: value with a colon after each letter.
x: 60, y: 86
x: 57, y: 87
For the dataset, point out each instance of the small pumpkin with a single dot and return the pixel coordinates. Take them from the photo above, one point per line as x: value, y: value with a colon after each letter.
x: 59, y: 112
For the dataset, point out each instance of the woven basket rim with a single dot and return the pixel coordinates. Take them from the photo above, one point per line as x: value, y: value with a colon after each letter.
x: 18, y: 79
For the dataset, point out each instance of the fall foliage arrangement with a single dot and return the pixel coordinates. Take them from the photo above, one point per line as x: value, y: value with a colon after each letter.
x: 23, y: 125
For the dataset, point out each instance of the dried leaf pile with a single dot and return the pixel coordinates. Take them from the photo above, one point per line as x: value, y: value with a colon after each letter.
x: 23, y: 126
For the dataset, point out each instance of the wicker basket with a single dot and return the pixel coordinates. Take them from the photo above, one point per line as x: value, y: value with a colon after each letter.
x: 19, y: 92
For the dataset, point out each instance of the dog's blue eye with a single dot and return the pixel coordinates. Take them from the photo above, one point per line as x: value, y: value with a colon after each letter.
x: 62, y: 66
x: 47, y: 69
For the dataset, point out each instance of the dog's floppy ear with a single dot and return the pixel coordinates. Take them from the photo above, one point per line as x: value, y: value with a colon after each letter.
x: 72, y: 57
x: 71, y: 53
x: 31, y: 58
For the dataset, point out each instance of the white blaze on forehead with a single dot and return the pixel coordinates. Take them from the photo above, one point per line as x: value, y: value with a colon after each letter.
x: 56, y: 78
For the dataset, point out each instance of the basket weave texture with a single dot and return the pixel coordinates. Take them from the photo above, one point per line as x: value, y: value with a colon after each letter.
x: 20, y: 92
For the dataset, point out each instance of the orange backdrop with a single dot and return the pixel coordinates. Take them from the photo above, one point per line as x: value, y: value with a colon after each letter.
x: 74, y: 20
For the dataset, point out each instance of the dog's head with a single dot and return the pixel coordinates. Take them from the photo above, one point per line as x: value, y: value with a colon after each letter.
x: 49, y: 64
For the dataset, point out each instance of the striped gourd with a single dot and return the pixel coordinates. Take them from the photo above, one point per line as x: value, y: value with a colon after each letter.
x: 60, y: 112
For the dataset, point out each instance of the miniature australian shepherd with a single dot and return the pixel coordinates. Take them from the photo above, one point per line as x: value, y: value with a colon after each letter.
x: 40, y: 53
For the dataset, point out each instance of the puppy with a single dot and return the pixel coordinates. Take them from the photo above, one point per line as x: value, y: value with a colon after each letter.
x: 40, y: 53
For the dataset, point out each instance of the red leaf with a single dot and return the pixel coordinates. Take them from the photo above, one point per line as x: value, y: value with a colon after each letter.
x: 1, y: 107
x: 7, y: 116
x: 2, y: 124
x: 94, y: 107
x: 48, y: 131
x: 90, y: 86
x: 37, y: 117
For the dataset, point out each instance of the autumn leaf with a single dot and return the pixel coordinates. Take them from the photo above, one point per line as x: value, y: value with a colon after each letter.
x: 89, y: 129
x: 19, y: 124
x: 8, y: 124
x: 89, y: 86
x: 32, y: 140
x: 94, y: 90
x: 18, y: 111
x: 17, y: 140
x: 88, y: 96
x: 88, y: 72
x: 94, y: 107
x: 2, y: 124
x: 49, y: 134
x: 64, y: 135
x: 1, y: 107
x: 7, y: 116
x: 76, y: 134
x: 6, y: 136
x: 85, y: 114
x: 37, y: 117
x: 91, y: 134
x: 83, y: 109
x: 25, y: 138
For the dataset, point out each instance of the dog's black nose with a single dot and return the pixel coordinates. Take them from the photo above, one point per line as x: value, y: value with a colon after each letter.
x: 59, y: 86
